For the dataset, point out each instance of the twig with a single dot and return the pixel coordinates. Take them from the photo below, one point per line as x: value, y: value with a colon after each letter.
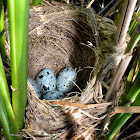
x: 112, y: 9
x: 118, y: 77
x: 90, y: 3
x: 82, y: 3
x: 105, y: 7
x: 137, y: 133
x: 125, y: 20
x: 124, y: 109
x: 135, y: 120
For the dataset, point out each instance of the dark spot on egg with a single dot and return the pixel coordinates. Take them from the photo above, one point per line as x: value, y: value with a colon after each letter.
x: 51, y: 77
x: 48, y: 73
x: 45, y: 88
x: 64, y: 85
x: 52, y: 93
x: 41, y: 76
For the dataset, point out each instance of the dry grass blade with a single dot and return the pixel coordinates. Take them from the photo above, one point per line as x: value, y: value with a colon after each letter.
x: 123, y: 109
x: 81, y: 105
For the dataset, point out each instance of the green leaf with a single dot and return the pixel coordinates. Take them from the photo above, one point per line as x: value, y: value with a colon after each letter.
x: 6, y: 98
x: 122, y: 120
x: 133, y: 25
x: 119, y: 119
x: 134, y: 39
x: 3, y: 119
x: 2, y: 36
x: 36, y: 2
x: 18, y: 11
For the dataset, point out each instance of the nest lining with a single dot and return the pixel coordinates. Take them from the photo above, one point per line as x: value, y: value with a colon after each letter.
x: 62, y: 35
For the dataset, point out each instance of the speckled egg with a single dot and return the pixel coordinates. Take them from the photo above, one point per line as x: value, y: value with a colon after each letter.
x: 46, y: 80
x: 66, y: 80
x: 52, y: 95
x: 35, y: 86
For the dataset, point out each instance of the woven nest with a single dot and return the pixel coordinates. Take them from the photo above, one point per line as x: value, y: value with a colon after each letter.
x: 61, y: 35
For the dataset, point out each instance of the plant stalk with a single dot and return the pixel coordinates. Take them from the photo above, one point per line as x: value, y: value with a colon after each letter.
x: 4, y: 120
x: 18, y: 12
x: 118, y: 76
x: 4, y: 91
x: 125, y: 20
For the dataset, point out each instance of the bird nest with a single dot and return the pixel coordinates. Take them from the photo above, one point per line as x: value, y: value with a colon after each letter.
x: 61, y: 35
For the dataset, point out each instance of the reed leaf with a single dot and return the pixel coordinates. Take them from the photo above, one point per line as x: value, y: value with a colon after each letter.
x: 4, y: 120
x: 2, y: 36
x: 119, y: 119
x: 3, y: 115
x: 134, y: 39
x: 18, y: 12
x: 122, y: 120
x: 133, y: 25
x: 6, y: 99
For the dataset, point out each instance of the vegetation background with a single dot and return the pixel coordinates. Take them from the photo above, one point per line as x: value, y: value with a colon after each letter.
x: 13, y: 94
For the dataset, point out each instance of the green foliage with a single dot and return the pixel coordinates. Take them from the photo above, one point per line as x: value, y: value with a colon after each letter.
x: 36, y: 2
x: 121, y: 120
x: 132, y: 90
x: 2, y: 36
x: 134, y: 39
x: 18, y: 12
x: 133, y: 25
x: 3, y: 114
x: 5, y: 95
x: 12, y: 116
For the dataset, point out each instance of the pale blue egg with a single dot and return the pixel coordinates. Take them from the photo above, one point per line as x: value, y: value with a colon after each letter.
x: 35, y: 86
x: 66, y: 80
x: 46, y: 80
x: 53, y: 95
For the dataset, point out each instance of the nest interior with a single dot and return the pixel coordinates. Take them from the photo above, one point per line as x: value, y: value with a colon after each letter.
x: 56, y: 42
x: 61, y: 35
